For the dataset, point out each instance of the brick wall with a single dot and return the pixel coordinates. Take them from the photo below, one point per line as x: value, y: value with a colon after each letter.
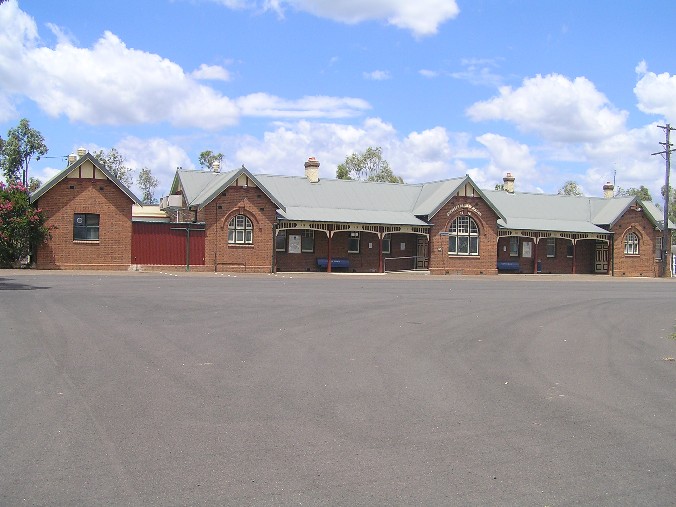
x: 643, y: 264
x: 485, y: 263
x: 366, y: 261
x: 559, y: 264
x: 253, y: 203
x: 102, y: 197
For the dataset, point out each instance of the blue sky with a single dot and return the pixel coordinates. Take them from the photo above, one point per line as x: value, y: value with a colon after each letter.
x: 547, y: 90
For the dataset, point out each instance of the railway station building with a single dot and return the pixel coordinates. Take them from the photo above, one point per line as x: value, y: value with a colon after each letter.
x: 237, y: 221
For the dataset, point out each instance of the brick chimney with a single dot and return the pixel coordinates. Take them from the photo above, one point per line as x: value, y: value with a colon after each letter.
x: 81, y: 152
x: 608, y: 190
x: 509, y: 183
x: 216, y: 166
x: 312, y: 170
x: 72, y: 158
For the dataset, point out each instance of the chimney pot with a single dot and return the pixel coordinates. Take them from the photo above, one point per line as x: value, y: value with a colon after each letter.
x: 608, y: 190
x: 72, y: 158
x: 312, y: 170
x: 508, y: 181
x: 81, y: 152
x: 216, y: 166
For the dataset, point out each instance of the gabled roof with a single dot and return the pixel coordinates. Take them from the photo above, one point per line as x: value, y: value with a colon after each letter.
x: 435, y: 195
x: 656, y: 215
x: 566, y: 213
x: 97, y: 164
x: 202, y: 187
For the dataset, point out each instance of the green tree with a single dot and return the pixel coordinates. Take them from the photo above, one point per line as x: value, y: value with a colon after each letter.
x: 22, y: 144
x: 33, y: 184
x: 641, y: 192
x: 367, y: 166
x: 22, y: 226
x: 148, y: 184
x: 116, y: 164
x: 570, y: 188
x: 207, y: 159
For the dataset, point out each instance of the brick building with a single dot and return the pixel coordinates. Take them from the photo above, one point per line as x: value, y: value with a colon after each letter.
x: 89, y: 213
x: 238, y: 221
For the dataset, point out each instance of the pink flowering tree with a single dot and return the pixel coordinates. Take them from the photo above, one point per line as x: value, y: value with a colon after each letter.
x: 22, y: 226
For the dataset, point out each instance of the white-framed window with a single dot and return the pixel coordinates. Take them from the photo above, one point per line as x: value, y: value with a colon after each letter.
x: 569, y: 249
x: 86, y: 227
x: 513, y: 246
x: 631, y: 244
x: 551, y: 247
x: 280, y: 241
x: 463, y: 236
x: 307, y: 241
x: 353, y: 243
x: 387, y: 244
x: 240, y: 230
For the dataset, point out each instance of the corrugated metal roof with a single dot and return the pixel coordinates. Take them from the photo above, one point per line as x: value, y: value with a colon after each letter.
x: 340, y: 215
x: 299, y: 192
x: 331, y: 200
x: 656, y: 215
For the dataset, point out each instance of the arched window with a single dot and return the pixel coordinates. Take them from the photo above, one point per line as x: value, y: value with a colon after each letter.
x: 240, y: 230
x: 463, y: 236
x: 631, y: 244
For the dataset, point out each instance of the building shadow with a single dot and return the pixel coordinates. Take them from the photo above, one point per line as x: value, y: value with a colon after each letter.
x: 9, y: 284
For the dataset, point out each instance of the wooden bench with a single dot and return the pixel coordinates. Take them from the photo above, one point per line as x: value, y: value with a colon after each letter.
x: 336, y: 263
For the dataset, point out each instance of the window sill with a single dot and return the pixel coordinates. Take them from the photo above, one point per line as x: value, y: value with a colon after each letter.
x: 465, y: 256
x: 86, y: 241
x: 240, y: 245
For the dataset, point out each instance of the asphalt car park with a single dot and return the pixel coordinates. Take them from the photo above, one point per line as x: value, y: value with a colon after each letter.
x: 187, y: 389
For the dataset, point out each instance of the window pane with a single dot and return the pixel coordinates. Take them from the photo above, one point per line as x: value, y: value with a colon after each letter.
x: 386, y: 245
x: 474, y: 245
x: 463, y: 245
x: 452, y: 244
x: 280, y: 241
x: 513, y: 246
x: 231, y: 235
x: 231, y: 223
x: 239, y: 223
x: 248, y: 236
x: 239, y: 236
x: 307, y: 243
x: 248, y: 223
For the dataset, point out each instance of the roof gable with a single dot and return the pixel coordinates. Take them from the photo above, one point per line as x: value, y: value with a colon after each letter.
x: 88, y: 157
x: 202, y: 187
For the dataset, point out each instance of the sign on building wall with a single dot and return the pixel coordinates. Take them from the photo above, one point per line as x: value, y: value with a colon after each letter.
x: 294, y: 243
x: 527, y: 249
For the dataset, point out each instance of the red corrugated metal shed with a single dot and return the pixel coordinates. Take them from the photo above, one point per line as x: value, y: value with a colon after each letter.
x: 164, y: 244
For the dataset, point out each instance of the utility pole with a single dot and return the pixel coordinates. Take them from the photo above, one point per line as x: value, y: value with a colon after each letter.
x: 666, y: 237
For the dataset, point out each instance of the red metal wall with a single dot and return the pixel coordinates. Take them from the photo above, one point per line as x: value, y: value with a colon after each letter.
x: 160, y: 243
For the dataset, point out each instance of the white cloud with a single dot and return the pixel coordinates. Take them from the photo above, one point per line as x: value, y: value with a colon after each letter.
x: 419, y: 156
x: 112, y: 84
x: 421, y: 17
x: 263, y: 104
x: 377, y: 75
x: 553, y: 106
x: 507, y: 155
x: 211, y: 72
x: 479, y: 71
x: 430, y: 74
x: 656, y: 93
x: 628, y: 153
